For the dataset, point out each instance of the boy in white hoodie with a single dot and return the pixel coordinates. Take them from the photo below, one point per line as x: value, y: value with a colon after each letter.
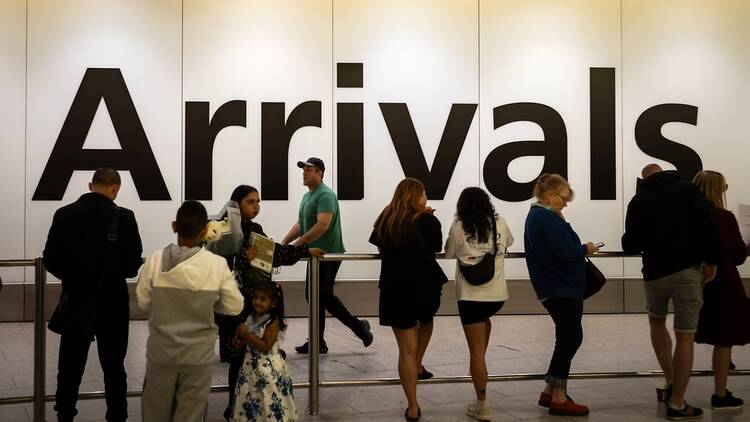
x: 183, y: 285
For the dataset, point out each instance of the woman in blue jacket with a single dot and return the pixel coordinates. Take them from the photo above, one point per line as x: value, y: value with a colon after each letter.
x: 556, y: 257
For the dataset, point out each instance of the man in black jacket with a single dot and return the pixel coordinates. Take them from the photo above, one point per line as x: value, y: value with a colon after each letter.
x: 668, y: 220
x: 92, y: 247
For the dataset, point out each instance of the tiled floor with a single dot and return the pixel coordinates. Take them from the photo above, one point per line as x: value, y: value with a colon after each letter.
x: 519, y: 344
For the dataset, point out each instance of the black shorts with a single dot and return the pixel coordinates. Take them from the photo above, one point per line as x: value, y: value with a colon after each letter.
x: 472, y: 312
x: 402, y: 310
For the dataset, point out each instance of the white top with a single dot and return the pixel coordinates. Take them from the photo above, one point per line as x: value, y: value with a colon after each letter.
x: 471, y: 252
x: 182, y: 300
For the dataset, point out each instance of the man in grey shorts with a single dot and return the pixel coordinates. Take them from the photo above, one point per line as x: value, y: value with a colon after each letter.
x: 668, y: 221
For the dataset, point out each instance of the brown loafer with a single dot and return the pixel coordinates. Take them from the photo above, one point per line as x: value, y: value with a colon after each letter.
x: 568, y: 408
x: 545, y: 399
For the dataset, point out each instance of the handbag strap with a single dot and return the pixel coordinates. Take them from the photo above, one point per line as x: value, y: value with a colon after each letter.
x: 494, y: 235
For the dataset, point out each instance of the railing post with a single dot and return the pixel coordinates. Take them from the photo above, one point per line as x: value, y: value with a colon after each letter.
x: 40, y: 339
x: 313, y: 294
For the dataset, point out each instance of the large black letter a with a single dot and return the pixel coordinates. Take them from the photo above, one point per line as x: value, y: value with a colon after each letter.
x: 68, y: 154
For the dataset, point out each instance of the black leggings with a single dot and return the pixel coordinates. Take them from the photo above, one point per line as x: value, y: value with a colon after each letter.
x: 567, y: 314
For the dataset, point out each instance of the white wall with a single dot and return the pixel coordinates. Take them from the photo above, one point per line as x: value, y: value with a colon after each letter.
x: 429, y: 54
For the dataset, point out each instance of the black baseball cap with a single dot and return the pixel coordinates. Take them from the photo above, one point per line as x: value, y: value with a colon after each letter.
x: 312, y: 161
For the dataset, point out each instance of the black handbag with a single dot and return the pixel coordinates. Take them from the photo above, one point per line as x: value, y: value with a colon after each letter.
x: 83, y: 316
x: 595, y: 280
x: 483, y: 271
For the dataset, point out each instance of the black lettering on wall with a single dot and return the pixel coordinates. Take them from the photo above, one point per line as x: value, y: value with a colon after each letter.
x: 276, y: 134
x: 135, y: 154
x: 649, y: 139
x: 350, y: 140
x: 200, y: 134
x: 350, y: 136
x: 602, y: 131
x: 554, y: 149
x: 409, y: 151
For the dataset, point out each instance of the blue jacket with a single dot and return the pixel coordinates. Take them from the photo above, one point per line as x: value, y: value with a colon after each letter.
x: 554, y: 255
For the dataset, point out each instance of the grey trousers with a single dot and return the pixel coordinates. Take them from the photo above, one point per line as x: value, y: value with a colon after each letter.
x: 175, y: 396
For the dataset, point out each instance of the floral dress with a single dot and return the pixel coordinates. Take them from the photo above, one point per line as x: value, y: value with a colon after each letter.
x: 247, y: 277
x: 264, y: 387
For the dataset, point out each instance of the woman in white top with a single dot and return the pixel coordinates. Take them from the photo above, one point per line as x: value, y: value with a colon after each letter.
x: 470, y: 238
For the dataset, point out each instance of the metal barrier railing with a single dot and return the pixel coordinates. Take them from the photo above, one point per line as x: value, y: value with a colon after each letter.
x: 314, y: 383
x: 40, y: 335
x: 313, y: 323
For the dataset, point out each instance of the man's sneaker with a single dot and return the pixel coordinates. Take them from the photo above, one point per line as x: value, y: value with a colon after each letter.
x: 687, y: 412
x: 728, y: 402
x: 479, y: 411
x: 568, y: 408
x: 305, y: 348
x: 365, y: 334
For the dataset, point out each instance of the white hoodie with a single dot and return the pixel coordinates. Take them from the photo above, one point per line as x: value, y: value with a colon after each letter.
x: 182, y: 300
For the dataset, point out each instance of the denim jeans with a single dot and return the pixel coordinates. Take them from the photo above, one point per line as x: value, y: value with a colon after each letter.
x: 566, y: 313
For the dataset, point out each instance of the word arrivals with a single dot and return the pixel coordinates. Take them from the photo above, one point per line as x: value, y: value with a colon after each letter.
x: 201, y: 130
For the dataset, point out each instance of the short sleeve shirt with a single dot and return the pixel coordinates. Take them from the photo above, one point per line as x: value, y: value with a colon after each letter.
x: 321, y: 200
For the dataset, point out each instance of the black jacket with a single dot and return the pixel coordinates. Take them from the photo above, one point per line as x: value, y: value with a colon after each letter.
x: 76, y: 245
x: 669, y: 221
x: 413, y: 263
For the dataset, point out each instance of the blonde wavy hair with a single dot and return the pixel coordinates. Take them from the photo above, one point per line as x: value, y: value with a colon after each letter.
x: 551, y: 182
x: 714, y: 187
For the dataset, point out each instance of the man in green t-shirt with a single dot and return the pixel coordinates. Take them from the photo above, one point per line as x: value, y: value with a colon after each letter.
x: 319, y: 226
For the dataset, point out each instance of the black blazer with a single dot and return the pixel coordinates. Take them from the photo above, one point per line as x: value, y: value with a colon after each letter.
x: 76, y: 246
x: 413, y: 263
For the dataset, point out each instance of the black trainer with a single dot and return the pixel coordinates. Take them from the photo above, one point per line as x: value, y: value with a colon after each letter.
x: 687, y: 412
x: 365, y: 334
x: 305, y: 348
x: 728, y: 402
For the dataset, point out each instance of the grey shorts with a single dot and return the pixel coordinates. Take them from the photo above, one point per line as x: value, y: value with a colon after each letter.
x: 686, y: 291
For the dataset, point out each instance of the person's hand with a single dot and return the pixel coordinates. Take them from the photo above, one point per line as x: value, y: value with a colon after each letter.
x: 591, y: 248
x: 242, y: 331
x: 429, y: 210
x: 709, y: 272
x: 239, y: 343
x: 251, y: 253
x: 316, y: 252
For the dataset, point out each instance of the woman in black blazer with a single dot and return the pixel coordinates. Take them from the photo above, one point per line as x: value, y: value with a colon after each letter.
x: 408, y: 235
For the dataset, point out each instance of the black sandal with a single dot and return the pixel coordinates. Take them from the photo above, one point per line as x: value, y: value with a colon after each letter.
x: 424, y: 374
x: 409, y: 418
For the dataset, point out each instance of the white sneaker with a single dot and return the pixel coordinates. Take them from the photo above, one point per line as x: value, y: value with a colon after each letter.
x: 479, y: 411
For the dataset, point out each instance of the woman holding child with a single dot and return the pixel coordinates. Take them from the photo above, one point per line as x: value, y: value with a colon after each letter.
x: 248, y: 199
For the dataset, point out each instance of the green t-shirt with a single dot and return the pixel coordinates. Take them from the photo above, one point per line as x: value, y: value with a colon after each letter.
x: 321, y: 200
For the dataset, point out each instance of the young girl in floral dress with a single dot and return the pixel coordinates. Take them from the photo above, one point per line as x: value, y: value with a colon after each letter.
x: 264, y: 386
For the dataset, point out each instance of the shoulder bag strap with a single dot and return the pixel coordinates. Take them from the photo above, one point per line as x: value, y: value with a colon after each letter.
x: 111, y: 241
x: 494, y: 234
